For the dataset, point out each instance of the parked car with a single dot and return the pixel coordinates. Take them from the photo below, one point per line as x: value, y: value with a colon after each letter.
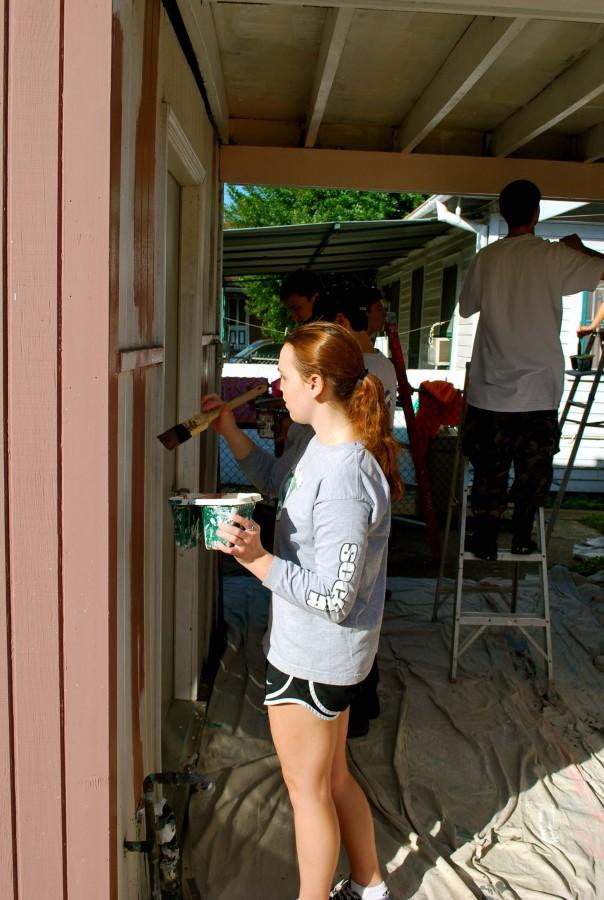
x: 263, y: 351
x: 257, y: 360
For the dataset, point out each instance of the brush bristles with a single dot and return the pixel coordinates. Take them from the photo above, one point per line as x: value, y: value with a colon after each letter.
x: 173, y: 437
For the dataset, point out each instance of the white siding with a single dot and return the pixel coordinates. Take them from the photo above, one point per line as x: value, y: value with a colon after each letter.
x: 456, y: 248
x: 588, y: 474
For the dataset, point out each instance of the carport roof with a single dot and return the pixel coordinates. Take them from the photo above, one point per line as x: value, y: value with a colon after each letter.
x: 423, y: 95
x: 333, y: 246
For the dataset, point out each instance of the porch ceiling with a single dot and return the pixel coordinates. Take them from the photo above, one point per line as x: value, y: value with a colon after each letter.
x: 343, y: 246
x: 514, y: 79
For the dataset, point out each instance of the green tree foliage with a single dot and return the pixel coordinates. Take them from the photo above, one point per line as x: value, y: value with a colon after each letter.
x: 262, y: 300
x: 256, y: 206
x: 252, y: 207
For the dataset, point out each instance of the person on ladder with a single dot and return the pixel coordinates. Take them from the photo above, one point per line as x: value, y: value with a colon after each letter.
x: 517, y: 367
x: 594, y: 325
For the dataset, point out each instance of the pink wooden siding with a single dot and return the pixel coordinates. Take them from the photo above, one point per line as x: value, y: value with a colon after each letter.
x: 7, y: 845
x: 56, y: 488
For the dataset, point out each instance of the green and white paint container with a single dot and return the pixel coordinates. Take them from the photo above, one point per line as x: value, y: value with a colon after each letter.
x: 187, y: 521
x: 197, y: 514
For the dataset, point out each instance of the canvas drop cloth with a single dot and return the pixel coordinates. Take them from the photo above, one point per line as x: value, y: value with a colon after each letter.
x: 483, y: 789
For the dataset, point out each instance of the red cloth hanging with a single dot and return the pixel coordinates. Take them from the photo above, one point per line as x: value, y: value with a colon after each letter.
x: 440, y: 403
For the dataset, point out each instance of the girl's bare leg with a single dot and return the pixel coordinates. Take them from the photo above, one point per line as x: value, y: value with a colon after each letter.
x: 306, y: 746
x: 354, y: 815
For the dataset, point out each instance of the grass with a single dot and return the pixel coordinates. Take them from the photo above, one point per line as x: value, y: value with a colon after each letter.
x: 578, y: 501
x: 594, y: 520
x: 588, y: 567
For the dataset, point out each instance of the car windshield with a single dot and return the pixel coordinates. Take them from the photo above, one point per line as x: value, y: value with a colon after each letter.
x: 259, y: 351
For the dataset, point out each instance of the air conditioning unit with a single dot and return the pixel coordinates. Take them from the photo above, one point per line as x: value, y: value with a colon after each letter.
x: 439, y: 351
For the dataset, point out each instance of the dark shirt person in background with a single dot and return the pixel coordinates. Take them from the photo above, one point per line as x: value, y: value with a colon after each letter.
x: 299, y: 292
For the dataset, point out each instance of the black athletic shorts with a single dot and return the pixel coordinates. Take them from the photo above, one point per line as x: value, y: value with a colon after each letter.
x: 326, y: 701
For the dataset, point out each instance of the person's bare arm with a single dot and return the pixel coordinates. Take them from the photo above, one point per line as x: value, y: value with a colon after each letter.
x: 239, y: 443
x: 574, y: 242
x: 594, y: 324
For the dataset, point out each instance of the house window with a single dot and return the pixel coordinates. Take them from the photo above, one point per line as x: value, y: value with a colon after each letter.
x: 447, y: 300
x: 392, y: 295
x: 415, y: 317
x: 592, y: 300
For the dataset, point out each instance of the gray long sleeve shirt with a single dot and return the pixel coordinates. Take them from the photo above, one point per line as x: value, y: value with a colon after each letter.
x: 328, y: 577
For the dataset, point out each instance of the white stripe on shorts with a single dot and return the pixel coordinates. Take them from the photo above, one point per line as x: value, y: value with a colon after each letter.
x: 313, y: 694
x: 281, y: 689
x: 309, y: 706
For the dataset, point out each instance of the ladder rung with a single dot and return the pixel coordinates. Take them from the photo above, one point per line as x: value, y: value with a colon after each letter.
x: 577, y: 403
x: 587, y: 424
x: 507, y: 556
x: 502, y: 619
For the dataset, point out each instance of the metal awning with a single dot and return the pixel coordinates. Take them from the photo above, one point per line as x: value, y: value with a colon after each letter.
x: 331, y: 246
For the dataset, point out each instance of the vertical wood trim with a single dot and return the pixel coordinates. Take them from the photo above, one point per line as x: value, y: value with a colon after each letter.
x: 137, y: 573
x: 31, y: 424
x: 144, y: 175
x: 115, y: 164
x: 208, y: 564
x: 85, y: 437
x: 156, y: 457
x: 8, y: 868
x: 177, y: 154
x: 59, y: 461
x: 187, y: 660
x: 144, y: 300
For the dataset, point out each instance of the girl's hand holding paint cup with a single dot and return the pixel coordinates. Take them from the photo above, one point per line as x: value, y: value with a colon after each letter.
x: 243, y: 536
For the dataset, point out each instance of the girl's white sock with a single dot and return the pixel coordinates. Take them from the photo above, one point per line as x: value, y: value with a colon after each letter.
x: 376, y: 892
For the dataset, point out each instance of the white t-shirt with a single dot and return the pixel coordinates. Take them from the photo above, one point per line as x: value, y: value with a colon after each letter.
x: 380, y: 365
x: 517, y: 285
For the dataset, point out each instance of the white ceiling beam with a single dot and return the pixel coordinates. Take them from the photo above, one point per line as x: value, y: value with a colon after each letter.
x: 562, y: 10
x: 424, y: 173
x: 571, y: 90
x: 335, y: 32
x: 549, y: 209
x: 199, y: 22
x: 474, y: 53
x: 560, y: 228
x: 591, y: 144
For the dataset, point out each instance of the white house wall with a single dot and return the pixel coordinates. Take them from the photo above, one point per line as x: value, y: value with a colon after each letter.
x: 588, y: 472
x: 456, y: 248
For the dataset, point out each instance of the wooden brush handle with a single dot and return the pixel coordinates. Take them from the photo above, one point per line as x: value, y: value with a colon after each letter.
x: 199, y: 423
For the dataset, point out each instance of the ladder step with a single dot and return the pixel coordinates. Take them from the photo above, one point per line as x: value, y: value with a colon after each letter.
x: 506, y: 556
x: 587, y: 424
x: 478, y: 621
x: 503, y: 619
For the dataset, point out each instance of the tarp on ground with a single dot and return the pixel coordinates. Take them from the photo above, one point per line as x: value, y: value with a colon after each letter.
x: 486, y: 788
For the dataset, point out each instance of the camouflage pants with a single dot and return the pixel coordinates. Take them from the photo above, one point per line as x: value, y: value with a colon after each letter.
x: 493, y: 441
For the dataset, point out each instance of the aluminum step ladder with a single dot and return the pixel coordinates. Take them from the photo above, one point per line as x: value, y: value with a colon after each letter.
x: 480, y: 620
x: 578, y: 377
x: 511, y: 617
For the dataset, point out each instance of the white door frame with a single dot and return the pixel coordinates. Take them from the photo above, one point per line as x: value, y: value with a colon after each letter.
x: 177, y: 155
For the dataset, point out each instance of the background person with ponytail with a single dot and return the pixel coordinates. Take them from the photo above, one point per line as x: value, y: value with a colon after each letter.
x: 327, y: 578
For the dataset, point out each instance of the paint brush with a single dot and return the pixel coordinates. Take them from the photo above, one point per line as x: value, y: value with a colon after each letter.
x: 180, y: 433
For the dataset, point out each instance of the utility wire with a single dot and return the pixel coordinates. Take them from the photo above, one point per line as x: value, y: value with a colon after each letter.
x: 401, y: 333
